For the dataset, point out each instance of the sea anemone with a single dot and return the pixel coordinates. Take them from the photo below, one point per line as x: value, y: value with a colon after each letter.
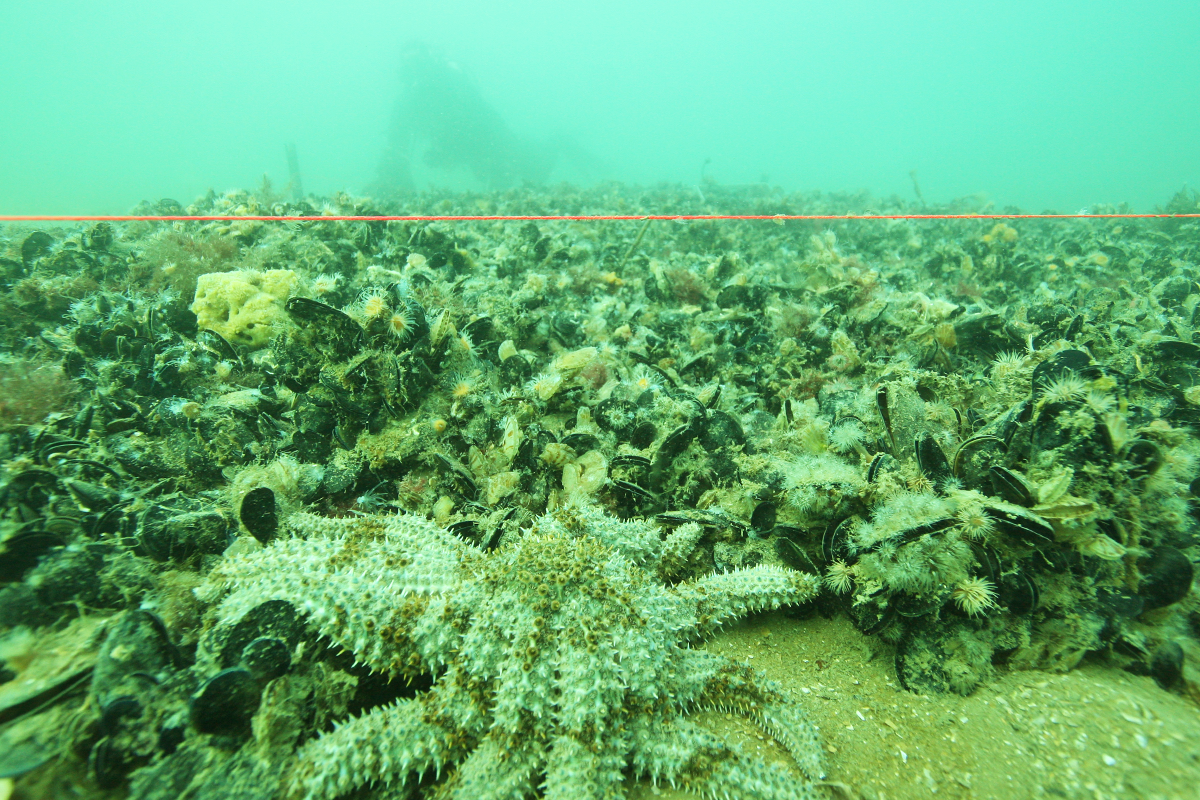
x: 1006, y: 363
x: 462, y: 385
x: 645, y: 378
x: 375, y: 304
x: 839, y: 577
x: 325, y: 284
x: 1064, y: 388
x: 401, y: 323
x: 846, y: 436
x: 975, y: 595
x: 974, y: 522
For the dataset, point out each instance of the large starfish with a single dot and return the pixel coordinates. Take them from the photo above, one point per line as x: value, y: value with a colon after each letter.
x: 561, y: 661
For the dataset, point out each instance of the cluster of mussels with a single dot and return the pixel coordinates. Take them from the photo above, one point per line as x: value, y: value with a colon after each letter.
x: 983, y: 437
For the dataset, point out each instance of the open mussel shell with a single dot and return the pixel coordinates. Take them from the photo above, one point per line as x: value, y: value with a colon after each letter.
x: 763, y: 518
x: 1144, y: 458
x: 974, y: 459
x: 881, y: 464
x: 835, y: 542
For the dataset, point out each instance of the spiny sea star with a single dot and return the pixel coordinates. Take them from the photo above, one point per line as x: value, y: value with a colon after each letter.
x: 561, y: 661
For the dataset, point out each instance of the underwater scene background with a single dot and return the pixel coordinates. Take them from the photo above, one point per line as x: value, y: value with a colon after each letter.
x: 548, y: 508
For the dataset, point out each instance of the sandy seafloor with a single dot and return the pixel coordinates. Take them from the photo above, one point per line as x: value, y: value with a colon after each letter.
x: 1094, y: 732
x: 1088, y: 330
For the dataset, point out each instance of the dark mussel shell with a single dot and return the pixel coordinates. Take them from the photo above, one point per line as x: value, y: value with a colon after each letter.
x: 870, y: 618
x: 643, y: 435
x: 168, y: 533
x: 676, y: 442
x: 581, y: 442
x: 932, y: 460
x: 138, y: 645
x: 273, y: 619
x: 1176, y: 350
x: 267, y: 658
x: 630, y: 461
x: 913, y: 606
x: 631, y: 489
x: 881, y: 402
x: 109, y: 763
x: 1005, y: 426
x: 1120, y: 603
x: 1025, y: 526
x: 20, y: 553
x: 1167, y: 577
x: 226, y: 702
x: 617, y: 415
x: 468, y: 529
x: 36, y: 245
x: 1166, y: 665
x: 922, y: 656
x: 332, y: 321
x: 91, y: 496
x: 793, y: 554
x: 1057, y: 366
x: 917, y: 531
x: 1018, y: 593
x: 258, y: 513
x: 719, y: 429
x: 120, y: 708
x: 988, y: 560
x: 1011, y: 487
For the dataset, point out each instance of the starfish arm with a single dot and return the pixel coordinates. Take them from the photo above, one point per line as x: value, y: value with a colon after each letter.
x: 360, y: 580
x: 498, y: 769
x: 689, y: 757
x: 386, y: 744
x: 719, y: 683
x: 577, y: 772
x: 725, y: 596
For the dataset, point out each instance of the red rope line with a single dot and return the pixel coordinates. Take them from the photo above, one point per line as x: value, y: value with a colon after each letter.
x: 555, y: 217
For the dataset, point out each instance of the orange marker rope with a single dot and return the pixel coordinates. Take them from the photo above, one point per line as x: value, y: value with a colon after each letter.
x: 557, y: 217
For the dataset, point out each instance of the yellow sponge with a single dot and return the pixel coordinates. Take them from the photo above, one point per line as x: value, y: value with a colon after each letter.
x: 246, y: 307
